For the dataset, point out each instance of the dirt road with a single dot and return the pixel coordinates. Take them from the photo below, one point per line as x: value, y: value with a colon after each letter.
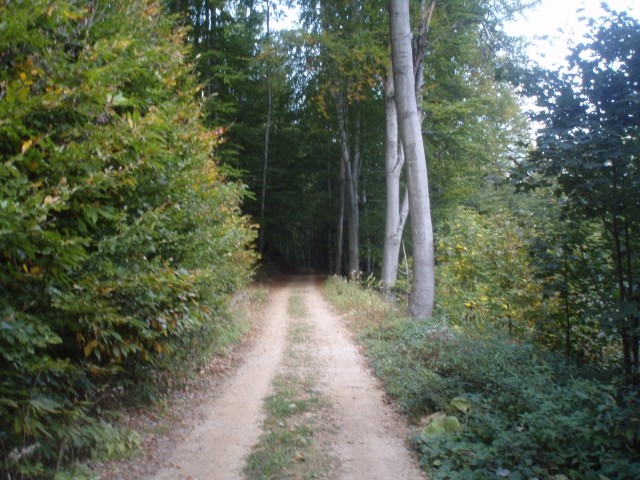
x: 369, y: 438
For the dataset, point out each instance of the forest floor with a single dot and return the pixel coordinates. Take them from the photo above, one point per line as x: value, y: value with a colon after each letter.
x: 299, y: 390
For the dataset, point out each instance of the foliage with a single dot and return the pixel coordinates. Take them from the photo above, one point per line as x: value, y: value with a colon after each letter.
x: 472, y: 121
x: 340, y: 54
x: 497, y: 268
x: 566, y: 261
x: 119, y: 236
x: 356, y: 300
x: 484, y: 276
x: 587, y: 152
x: 222, y: 35
x: 232, y: 53
x: 521, y: 413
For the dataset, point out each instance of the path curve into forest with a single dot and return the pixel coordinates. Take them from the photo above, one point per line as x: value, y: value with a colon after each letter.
x: 369, y: 440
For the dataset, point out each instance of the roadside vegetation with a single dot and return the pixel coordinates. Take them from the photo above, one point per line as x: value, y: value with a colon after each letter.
x: 157, y: 408
x: 121, y: 238
x: 487, y: 405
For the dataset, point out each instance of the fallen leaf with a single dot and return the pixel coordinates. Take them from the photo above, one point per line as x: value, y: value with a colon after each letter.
x: 26, y: 144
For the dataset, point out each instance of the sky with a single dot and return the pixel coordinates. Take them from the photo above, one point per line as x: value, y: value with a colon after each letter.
x: 558, y: 20
x: 545, y: 20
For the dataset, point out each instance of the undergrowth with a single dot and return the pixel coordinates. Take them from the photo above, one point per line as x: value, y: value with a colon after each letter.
x: 101, y: 437
x: 169, y: 372
x: 488, y: 407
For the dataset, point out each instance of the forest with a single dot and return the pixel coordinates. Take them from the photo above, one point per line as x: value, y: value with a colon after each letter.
x: 156, y: 154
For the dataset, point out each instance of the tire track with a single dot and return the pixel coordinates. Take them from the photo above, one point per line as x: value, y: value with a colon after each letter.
x: 216, y: 447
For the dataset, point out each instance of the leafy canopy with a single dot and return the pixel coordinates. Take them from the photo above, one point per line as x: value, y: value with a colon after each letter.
x: 588, y: 152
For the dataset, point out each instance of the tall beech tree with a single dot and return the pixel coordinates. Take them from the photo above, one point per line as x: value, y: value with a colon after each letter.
x: 423, y: 288
x: 468, y: 112
x: 397, y: 206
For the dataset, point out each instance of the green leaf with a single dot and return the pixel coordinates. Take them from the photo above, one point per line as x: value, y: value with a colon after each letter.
x: 461, y: 404
x: 119, y: 99
x: 442, y: 424
x: 45, y: 404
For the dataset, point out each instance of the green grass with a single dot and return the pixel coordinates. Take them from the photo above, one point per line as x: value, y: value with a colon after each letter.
x: 287, y: 442
x: 523, y: 413
x: 296, y: 308
x: 291, y: 444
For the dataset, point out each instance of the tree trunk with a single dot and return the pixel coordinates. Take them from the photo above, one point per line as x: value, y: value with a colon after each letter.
x: 266, y: 141
x: 353, y: 223
x: 351, y: 176
x: 420, y: 42
x: 396, y: 212
x: 422, y: 295
x: 340, y: 224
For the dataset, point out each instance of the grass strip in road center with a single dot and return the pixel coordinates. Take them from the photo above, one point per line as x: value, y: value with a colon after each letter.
x: 294, y: 439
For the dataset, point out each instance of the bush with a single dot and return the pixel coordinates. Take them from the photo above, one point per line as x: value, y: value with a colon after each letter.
x: 528, y: 418
x: 119, y: 235
x: 522, y: 414
x: 484, y: 273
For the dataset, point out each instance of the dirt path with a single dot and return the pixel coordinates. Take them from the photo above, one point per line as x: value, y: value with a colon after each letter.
x: 369, y: 441
x: 230, y: 424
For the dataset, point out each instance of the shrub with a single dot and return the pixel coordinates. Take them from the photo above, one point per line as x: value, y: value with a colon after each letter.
x: 521, y: 413
x: 119, y: 235
x: 484, y: 273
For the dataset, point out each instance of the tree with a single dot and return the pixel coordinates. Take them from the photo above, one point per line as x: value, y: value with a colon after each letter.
x: 472, y: 126
x: 467, y: 110
x: 397, y: 210
x: 267, y: 130
x: 589, y: 152
x: 224, y: 37
x: 423, y: 289
x: 345, y: 52
x: 566, y: 256
x: 396, y: 207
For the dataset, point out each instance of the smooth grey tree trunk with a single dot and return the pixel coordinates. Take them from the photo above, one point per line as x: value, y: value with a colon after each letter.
x: 351, y: 165
x: 396, y: 211
x: 422, y: 294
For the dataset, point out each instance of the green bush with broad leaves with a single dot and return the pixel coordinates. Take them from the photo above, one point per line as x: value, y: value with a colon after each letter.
x: 484, y: 274
x: 497, y: 270
x: 120, y: 237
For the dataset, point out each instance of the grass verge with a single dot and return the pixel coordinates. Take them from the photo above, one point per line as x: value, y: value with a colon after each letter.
x: 292, y: 444
x: 488, y: 407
